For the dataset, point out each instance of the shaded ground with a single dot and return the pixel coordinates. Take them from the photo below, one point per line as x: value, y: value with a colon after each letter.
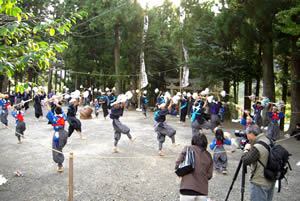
x: 100, y: 174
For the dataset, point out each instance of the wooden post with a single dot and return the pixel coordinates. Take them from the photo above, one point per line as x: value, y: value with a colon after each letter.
x: 71, y: 177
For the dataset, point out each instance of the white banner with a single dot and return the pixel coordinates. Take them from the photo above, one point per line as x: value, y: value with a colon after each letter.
x: 144, y: 78
x: 186, y: 70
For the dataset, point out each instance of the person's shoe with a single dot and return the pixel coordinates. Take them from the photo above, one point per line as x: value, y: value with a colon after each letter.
x: 160, y: 153
x: 175, y: 145
x: 60, y: 169
x: 23, y: 136
x: 133, y: 139
x: 224, y: 172
x: 19, y: 142
x: 115, y: 150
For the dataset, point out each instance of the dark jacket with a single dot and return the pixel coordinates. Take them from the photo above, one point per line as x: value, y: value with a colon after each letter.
x: 198, y: 179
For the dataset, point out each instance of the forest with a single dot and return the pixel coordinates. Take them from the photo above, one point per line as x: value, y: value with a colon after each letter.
x: 100, y: 44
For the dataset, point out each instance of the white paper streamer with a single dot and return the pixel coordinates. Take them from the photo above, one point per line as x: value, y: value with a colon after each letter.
x: 144, y: 78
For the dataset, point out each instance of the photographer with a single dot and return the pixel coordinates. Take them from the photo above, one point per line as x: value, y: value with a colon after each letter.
x: 261, y: 189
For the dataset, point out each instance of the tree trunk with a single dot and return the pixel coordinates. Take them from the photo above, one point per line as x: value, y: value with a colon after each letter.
x: 295, y: 86
x: 257, y: 87
x: 284, y: 88
x: 268, y: 77
x: 117, y: 56
x: 247, y: 92
x: 50, y: 79
x: 226, y: 87
x: 268, y: 71
x: 4, y: 82
x: 30, y: 74
x: 55, y: 81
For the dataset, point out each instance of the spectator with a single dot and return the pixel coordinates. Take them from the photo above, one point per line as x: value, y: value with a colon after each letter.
x: 261, y: 189
x: 194, y: 186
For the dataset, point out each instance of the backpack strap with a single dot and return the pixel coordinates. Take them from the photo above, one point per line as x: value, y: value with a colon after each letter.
x: 266, y: 146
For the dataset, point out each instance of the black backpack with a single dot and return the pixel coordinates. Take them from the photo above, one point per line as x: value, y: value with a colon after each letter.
x: 278, y: 164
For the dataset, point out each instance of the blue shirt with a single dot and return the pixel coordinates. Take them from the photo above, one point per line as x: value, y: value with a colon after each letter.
x: 54, y: 120
x: 14, y: 114
x: 214, y: 143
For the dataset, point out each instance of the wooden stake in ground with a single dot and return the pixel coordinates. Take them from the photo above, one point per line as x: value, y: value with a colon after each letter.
x: 71, y: 177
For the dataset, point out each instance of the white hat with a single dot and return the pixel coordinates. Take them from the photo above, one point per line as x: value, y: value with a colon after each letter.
x: 162, y: 105
x: 156, y: 90
x: 72, y: 100
x: 145, y: 92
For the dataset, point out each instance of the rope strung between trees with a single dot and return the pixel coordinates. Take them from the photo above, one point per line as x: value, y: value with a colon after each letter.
x: 91, y: 156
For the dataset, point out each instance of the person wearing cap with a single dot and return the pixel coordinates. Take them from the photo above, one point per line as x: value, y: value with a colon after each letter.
x: 20, y: 124
x: 60, y: 136
x: 104, y: 101
x: 273, y: 131
x: 119, y: 128
x: 162, y: 128
x: 4, y: 106
x: 144, y: 102
x: 74, y: 123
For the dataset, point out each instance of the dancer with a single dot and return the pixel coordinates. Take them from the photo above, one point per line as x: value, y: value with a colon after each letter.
x: 97, y: 107
x: 20, y: 124
x: 183, y: 109
x: 119, y: 128
x: 214, y: 110
x: 74, y: 123
x: 60, y: 136
x: 198, y: 118
x: 104, y: 101
x: 26, y: 97
x: 4, y: 106
x: 273, y: 131
x: 220, y: 156
x: 38, y: 106
x: 144, y: 102
x: 161, y: 128
x: 246, y: 119
x: 257, y: 113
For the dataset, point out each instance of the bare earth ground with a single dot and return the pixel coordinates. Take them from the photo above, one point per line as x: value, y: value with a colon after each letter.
x: 100, y: 174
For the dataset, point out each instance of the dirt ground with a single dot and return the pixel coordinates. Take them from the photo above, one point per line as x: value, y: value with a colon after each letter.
x: 136, y: 173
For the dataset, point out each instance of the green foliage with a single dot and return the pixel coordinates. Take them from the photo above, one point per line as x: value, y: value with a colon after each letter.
x: 20, y: 45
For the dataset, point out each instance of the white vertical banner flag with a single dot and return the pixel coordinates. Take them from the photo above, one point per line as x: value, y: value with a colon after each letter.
x: 144, y: 78
x: 186, y: 71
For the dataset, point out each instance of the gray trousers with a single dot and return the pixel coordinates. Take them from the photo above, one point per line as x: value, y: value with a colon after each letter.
x: 196, y: 126
x: 59, y: 157
x: 163, y: 130
x: 20, y: 128
x: 144, y: 108
x: 261, y: 193
x: 120, y: 128
x: 4, y: 114
x: 273, y: 131
x: 214, y: 121
x: 258, y: 120
x: 220, y: 159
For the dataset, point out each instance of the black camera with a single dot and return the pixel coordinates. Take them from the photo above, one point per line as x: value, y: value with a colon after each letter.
x: 242, y: 138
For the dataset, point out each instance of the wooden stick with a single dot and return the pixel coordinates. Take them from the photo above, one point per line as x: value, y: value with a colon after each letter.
x: 71, y: 177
